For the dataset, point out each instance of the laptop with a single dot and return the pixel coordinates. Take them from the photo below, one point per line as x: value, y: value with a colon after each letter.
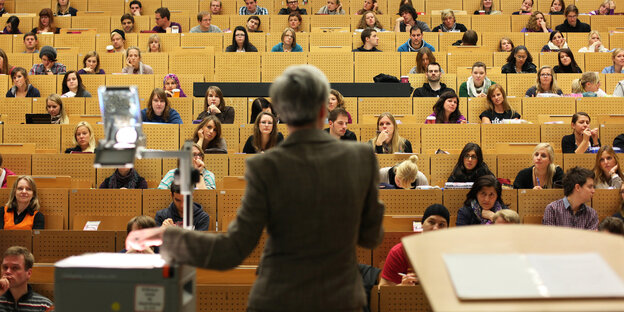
x: 38, y: 119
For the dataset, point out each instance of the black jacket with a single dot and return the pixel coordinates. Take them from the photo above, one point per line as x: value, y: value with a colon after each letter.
x: 426, y: 91
x: 580, y: 27
x: 348, y: 136
x: 201, y: 220
x: 510, y: 68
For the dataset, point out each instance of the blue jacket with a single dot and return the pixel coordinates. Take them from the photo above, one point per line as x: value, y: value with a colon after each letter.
x: 280, y: 48
x: 174, y: 117
x: 406, y: 47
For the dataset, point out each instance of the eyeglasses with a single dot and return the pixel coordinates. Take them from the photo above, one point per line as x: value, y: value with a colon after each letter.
x: 197, y: 155
x: 545, y: 75
x: 471, y: 157
x: 291, y: 2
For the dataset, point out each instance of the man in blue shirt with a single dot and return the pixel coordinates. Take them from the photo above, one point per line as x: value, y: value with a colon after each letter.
x: 415, y: 42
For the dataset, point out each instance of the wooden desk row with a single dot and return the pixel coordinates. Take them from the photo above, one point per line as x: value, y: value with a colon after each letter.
x: 71, y: 208
x: 423, y: 138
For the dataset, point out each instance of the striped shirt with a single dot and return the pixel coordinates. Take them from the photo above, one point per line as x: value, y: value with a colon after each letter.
x: 209, y: 179
x: 559, y: 213
x: 29, y: 302
x: 259, y: 11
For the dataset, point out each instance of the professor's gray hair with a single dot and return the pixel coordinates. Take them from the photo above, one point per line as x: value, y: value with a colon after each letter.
x: 299, y: 93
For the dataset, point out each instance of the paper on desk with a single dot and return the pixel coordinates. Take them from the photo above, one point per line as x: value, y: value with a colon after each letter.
x: 107, y: 260
x: 524, y: 276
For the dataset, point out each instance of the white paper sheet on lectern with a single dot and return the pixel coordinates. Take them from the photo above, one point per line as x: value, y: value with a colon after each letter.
x: 113, y: 261
x: 526, y: 276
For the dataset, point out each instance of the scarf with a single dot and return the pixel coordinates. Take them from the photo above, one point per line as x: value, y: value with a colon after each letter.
x: 140, y: 70
x: 56, y: 119
x: 444, y: 29
x: 130, y: 181
x: 477, y: 210
x: 554, y: 47
x: 474, y: 91
x: 177, y: 81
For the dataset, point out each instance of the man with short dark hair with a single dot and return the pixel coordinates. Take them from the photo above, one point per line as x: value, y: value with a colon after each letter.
x: 215, y: 7
x: 415, y: 42
x: 136, y: 8
x: 15, y: 293
x: 253, y: 24
x: 395, y: 269
x: 571, y: 211
x: 172, y: 215
x: 163, y: 16
x: 205, y: 19
x: 292, y: 6
x: 571, y: 23
x: 409, y: 20
x: 370, y: 41
x: 433, y: 87
x: 251, y: 8
x: 338, y: 120
x: 49, y: 65
x: 30, y: 42
x: 127, y: 23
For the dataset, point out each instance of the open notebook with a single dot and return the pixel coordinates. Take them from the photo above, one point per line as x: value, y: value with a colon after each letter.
x: 532, y: 276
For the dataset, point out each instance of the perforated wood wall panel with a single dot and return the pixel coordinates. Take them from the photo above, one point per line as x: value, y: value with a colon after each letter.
x: 403, y: 299
x: 120, y: 204
x: 600, y: 106
x: 369, y: 65
x: 237, y: 164
x: 532, y: 107
x: 162, y: 136
x: 441, y: 168
x: 581, y: 160
x: 552, y: 133
x: 191, y: 62
x: 447, y: 137
x: 54, y: 202
x: 228, y: 202
x: 606, y: 202
x: 83, y: 42
x: 208, y: 200
x: 340, y: 70
x: 101, y: 23
x: 155, y: 200
x: 184, y: 106
x: 14, y: 109
x: 513, y: 163
x: 273, y: 64
x: 517, y: 84
x: 496, y: 133
x: 20, y: 164
x: 78, y: 166
x: 228, y: 69
x: 609, y: 132
x: 454, y: 200
x: 51, y: 246
x: 16, y: 238
x: 217, y: 298
x: 203, y: 40
x: 534, y: 202
x: 409, y: 202
x: 145, y: 83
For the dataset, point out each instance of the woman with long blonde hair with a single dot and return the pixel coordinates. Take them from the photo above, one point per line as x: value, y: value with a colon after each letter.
x: 84, y: 139
x: 22, y: 210
x: 543, y: 174
x: 388, y: 140
x: 607, y: 171
x: 54, y: 106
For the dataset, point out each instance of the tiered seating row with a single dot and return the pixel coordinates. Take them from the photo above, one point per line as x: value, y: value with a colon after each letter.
x: 104, y: 23
x: 71, y: 208
x: 425, y: 138
x: 312, y: 6
x: 388, y: 42
x: 347, y: 68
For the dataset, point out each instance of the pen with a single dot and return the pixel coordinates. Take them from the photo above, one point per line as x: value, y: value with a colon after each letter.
x: 538, y: 182
x: 403, y: 274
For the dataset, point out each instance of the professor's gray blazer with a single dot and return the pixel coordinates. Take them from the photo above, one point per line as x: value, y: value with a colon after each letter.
x: 317, y: 198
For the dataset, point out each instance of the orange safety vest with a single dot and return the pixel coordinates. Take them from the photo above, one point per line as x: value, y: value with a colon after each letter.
x: 26, y: 224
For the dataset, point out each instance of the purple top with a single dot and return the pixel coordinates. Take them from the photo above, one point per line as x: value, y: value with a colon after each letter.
x: 530, y: 30
x: 461, y: 118
x: 83, y: 72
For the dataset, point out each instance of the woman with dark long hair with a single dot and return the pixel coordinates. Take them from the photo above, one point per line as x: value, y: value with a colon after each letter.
x: 446, y: 110
x: 240, y: 41
x: 470, y: 165
x: 265, y: 135
x: 482, y: 202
